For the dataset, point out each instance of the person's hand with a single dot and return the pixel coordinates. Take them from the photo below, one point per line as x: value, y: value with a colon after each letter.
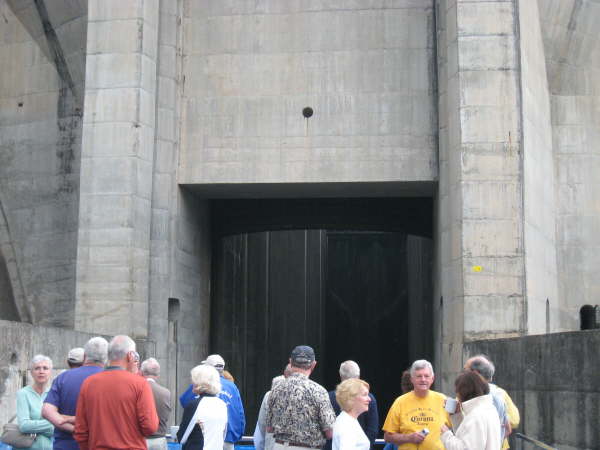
x: 508, y: 429
x: 444, y: 428
x: 416, y: 438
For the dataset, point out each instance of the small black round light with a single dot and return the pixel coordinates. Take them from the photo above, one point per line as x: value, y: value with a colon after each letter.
x: 307, y: 112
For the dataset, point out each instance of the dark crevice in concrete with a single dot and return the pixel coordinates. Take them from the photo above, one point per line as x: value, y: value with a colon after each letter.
x: 68, y: 110
x: 58, y: 55
x: 8, y: 308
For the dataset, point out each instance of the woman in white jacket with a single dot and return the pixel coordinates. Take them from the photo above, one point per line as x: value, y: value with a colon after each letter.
x: 480, y: 428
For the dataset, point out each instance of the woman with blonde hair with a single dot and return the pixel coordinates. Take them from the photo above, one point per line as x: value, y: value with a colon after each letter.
x: 353, y: 397
x: 29, y: 404
x: 204, y: 420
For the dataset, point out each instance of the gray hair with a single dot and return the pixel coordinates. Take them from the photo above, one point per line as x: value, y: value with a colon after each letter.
x: 150, y: 367
x: 483, y: 367
x: 349, y: 369
x: 96, y: 350
x: 420, y: 364
x: 206, y: 379
x: 119, y: 347
x: 38, y: 359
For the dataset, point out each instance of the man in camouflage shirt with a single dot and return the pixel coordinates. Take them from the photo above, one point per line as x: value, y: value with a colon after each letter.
x: 299, y: 412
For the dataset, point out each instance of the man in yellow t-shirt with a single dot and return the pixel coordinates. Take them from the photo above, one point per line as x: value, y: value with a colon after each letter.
x: 416, y: 411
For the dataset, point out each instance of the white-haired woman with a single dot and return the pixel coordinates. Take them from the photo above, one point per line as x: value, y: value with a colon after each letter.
x: 29, y: 404
x: 353, y: 397
x: 204, y: 420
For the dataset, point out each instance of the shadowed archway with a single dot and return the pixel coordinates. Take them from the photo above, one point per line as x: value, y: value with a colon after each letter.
x: 350, y: 277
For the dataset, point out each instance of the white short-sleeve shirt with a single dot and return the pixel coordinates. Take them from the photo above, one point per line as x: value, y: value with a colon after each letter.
x: 348, y: 434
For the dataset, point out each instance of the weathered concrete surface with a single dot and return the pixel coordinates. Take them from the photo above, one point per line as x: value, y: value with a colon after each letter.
x: 539, y: 199
x: 40, y: 132
x: 19, y: 342
x: 572, y: 55
x: 480, y: 281
x: 113, y: 252
x: 367, y: 71
x: 553, y: 380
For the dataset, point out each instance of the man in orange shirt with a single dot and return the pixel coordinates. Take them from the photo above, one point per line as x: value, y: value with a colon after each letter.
x: 115, y: 409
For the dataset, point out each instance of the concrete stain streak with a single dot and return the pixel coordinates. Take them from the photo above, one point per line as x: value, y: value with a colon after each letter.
x: 54, y: 45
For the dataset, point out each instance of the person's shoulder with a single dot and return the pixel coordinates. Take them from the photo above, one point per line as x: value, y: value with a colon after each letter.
x: 437, y: 394
x: 160, y: 388
x: 79, y: 373
x: 405, y: 397
x: 500, y: 390
x: 24, y: 391
x: 228, y: 385
x: 316, y: 387
x: 214, y: 400
x: 340, y: 421
x: 193, y: 403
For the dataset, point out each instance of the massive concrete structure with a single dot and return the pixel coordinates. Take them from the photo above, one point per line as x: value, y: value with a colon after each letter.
x: 122, y: 121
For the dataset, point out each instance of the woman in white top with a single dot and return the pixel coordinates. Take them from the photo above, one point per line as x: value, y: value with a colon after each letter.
x: 204, y: 420
x: 480, y: 427
x: 353, y: 398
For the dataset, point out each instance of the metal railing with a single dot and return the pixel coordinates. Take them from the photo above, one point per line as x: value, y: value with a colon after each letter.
x: 250, y: 440
x: 380, y: 442
x: 533, y: 441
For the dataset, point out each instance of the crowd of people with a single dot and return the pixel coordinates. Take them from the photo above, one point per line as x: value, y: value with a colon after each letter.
x: 102, y: 402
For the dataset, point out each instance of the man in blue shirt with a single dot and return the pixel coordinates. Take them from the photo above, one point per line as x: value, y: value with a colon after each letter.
x: 60, y: 404
x: 236, y: 421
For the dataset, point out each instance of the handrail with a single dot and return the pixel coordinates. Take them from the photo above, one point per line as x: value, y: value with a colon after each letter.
x: 249, y: 439
x: 534, y: 441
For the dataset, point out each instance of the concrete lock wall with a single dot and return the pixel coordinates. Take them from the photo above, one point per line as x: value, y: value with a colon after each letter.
x: 40, y: 132
x: 120, y: 120
x: 553, y: 380
x: 572, y: 56
x: 368, y: 73
x: 19, y: 342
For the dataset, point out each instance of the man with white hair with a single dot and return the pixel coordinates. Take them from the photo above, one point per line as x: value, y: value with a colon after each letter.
x: 116, y: 408
x: 236, y: 419
x: 162, y: 400
x: 507, y: 411
x: 415, y: 419
x: 369, y: 420
x: 61, y: 402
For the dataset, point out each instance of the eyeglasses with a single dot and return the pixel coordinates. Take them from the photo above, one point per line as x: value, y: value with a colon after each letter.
x: 136, y: 357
